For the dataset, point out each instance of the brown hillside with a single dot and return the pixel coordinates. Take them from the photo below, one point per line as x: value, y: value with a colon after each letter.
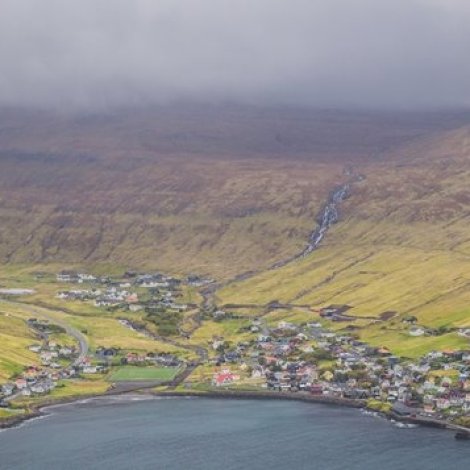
x: 196, y: 190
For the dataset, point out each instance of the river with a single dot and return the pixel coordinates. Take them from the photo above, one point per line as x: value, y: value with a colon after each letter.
x: 198, y: 433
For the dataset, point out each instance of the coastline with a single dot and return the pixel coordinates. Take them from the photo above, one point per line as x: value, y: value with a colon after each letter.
x: 262, y: 395
x: 39, y: 410
x: 320, y: 399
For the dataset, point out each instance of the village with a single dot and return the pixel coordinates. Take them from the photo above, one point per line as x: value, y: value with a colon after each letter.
x: 56, y: 364
x: 106, y: 292
x: 313, y: 359
x: 307, y: 358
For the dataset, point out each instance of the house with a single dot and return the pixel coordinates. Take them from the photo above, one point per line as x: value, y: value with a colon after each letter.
x: 442, y: 403
x: 217, y: 344
x: 151, y: 284
x: 82, y: 277
x: 67, y: 276
x: 132, y: 298
x: 46, y: 356
x: 197, y: 281
x: 224, y: 378
x: 257, y: 372
x: 466, y: 356
x: 264, y: 339
x: 65, y: 351
x: 39, y: 388
x: 178, y: 307
x: 428, y: 408
x: 416, y: 331
x: 133, y: 358
x: 135, y: 307
x: 106, y: 352
x: 232, y: 356
x: 383, y: 351
x: 219, y: 314
x: 7, y: 389
x: 21, y: 383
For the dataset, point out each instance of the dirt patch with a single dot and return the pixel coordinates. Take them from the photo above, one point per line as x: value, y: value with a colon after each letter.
x: 388, y: 315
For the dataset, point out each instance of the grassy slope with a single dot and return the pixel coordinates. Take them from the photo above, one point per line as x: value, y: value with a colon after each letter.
x: 15, y: 337
x: 220, y: 218
x: 402, y: 245
x: 215, y: 190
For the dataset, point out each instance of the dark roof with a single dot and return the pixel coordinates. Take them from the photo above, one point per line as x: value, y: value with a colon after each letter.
x: 403, y: 410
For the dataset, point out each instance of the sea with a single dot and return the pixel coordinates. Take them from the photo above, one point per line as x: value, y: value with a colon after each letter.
x: 203, y: 433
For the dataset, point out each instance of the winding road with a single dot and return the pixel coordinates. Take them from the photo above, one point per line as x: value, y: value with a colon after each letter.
x: 71, y: 331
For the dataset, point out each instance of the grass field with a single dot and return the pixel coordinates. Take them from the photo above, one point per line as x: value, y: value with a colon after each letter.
x: 80, y: 387
x: 131, y: 373
x: 8, y: 413
x: 15, y: 337
x: 67, y: 389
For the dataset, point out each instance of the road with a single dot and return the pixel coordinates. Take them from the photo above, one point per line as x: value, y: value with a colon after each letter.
x: 40, y: 313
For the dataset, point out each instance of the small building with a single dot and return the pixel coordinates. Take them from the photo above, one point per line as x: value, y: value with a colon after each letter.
x: 417, y: 331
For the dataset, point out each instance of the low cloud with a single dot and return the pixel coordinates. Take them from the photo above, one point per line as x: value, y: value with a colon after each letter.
x: 334, y: 53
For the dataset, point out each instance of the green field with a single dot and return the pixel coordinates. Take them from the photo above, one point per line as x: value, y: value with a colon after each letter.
x: 131, y: 373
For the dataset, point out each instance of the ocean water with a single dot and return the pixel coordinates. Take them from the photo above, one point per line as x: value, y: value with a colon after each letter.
x: 198, y: 433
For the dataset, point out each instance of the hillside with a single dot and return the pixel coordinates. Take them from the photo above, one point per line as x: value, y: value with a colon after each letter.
x: 402, y: 247
x: 399, y: 248
x: 219, y: 191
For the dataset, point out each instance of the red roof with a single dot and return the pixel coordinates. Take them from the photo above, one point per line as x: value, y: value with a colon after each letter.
x: 221, y: 378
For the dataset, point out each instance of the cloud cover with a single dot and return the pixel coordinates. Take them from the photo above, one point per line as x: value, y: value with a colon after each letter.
x: 334, y: 53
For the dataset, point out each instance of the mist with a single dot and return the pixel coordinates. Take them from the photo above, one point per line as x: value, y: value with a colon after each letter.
x: 100, y: 54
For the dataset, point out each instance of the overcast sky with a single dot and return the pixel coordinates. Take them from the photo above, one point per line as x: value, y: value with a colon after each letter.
x: 333, y: 53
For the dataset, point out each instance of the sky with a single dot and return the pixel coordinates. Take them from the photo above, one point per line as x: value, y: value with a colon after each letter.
x: 89, y: 54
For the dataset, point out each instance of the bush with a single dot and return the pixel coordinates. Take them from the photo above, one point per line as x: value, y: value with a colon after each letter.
x: 463, y: 421
x: 167, y: 322
x: 376, y: 405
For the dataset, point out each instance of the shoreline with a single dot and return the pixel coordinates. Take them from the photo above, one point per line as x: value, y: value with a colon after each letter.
x: 319, y: 399
x: 40, y: 409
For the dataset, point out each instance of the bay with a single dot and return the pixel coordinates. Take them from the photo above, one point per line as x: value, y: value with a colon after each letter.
x: 200, y: 433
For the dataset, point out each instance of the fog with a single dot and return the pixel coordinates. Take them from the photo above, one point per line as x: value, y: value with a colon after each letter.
x: 89, y: 54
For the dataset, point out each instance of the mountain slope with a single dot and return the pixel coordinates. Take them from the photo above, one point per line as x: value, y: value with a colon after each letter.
x: 401, y: 246
x: 219, y: 191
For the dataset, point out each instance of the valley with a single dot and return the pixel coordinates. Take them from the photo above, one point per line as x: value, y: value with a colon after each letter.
x: 248, y: 265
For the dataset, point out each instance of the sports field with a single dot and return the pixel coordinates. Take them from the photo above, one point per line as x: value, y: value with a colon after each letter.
x: 130, y: 373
